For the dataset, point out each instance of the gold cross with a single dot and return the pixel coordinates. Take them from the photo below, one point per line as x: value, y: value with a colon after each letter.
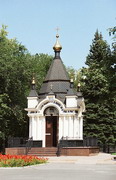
x: 57, y: 29
x: 51, y: 86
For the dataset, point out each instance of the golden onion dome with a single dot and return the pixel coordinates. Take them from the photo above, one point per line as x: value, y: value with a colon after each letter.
x: 57, y: 46
x: 33, y: 80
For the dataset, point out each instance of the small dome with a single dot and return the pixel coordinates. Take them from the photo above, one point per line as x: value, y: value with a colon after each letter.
x: 57, y: 46
x: 33, y: 80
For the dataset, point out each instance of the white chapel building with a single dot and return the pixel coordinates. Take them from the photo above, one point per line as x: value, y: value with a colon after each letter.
x: 56, y: 112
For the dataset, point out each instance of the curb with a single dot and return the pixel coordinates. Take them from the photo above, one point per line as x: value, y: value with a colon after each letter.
x: 24, y: 167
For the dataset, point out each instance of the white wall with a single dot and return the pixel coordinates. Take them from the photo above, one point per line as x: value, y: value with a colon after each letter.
x: 43, y: 131
x: 76, y: 129
x: 71, y: 101
x: 32, y: 102
x: 81, y: 127
x: 34, y: 123
x: 70, y: 127
x: 61, y: 121
x: 39, y: 129
x: 30, y: 127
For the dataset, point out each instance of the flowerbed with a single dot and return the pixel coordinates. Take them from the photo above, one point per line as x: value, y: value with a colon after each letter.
x: 20, y: 160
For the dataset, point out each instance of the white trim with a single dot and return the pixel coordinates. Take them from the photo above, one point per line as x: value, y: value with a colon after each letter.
x: 71, y: 96
x: 60, y: 127
x: 32, y: 98
x: 43, y: 131
x: 47, y: 100
x: 48, y: 105
x: 30, y: 127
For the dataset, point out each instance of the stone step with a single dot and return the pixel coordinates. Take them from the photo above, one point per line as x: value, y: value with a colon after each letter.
x: 34, y: 148
x: 43, y: 151
x: 31, y: 152
x: 37, y: 154
x: 40, y: 151
x: 42, y: 155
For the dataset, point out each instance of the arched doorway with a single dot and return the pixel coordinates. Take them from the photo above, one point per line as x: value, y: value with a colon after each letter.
x: 52, y: 123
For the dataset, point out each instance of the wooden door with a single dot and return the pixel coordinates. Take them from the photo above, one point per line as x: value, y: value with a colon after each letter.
x: 51, y: 131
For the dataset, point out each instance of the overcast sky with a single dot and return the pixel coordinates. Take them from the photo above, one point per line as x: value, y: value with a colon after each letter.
x: 33, y: 23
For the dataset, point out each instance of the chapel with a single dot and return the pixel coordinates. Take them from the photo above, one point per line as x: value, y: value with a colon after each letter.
x: 56, y: 112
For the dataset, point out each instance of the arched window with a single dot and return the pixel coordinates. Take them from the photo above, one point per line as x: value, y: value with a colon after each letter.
x: 51, y: 111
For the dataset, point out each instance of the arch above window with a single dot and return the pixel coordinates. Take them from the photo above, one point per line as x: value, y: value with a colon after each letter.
x: 51, y: 111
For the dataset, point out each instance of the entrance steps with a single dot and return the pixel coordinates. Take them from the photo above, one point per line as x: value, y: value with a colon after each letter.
x: 46, y: 151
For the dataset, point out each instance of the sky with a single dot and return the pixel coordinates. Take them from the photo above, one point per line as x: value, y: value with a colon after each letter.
x: 33, y: 23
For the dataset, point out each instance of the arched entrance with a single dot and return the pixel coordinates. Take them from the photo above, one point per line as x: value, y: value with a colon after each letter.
x: 52, y: 123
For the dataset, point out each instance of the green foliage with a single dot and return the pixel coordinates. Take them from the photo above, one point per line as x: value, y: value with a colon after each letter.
x: 112, y: 32
x: 20, y: 161
x: 98, y: 90
x: 16, y: 70
x: 76, y: 75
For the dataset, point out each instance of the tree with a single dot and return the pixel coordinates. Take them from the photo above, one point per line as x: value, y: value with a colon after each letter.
x: 99, y: 119
x: 76, y: 75
x: 17, y: 66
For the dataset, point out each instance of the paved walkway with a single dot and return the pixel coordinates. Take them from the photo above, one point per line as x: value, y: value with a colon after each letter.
x: 61, y: 171
x: 101, y: 158
x: 97, y: 167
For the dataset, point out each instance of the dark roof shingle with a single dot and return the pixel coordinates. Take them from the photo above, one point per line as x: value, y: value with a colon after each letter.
x: 58, y: 77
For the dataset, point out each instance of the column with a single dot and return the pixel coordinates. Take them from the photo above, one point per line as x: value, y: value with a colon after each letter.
x: 75, y: 127
x: 33, y: 128
x: 30, y: 127
x: 70, y: 127
x: 43, y: 119
x: 39, y: 129
x: 60, y: 127
x: 78, y: 124
x: 81, y: 128
x: 65, y: 126
x: 78, y: 131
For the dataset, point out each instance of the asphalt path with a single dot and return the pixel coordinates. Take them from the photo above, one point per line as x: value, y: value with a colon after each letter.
x: 61, y: 171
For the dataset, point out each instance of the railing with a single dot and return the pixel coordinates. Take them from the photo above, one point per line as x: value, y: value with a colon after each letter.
x: 16, y: 142
x: 29, y: 144
x: 107, y: 148
x: 72, y: 142
x: 20, y: 142
x: 58, y: 150
x: 60, y: 145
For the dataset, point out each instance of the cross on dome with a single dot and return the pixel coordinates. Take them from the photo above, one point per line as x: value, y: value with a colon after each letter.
x: 51, y: 87
x: 57, y: 29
